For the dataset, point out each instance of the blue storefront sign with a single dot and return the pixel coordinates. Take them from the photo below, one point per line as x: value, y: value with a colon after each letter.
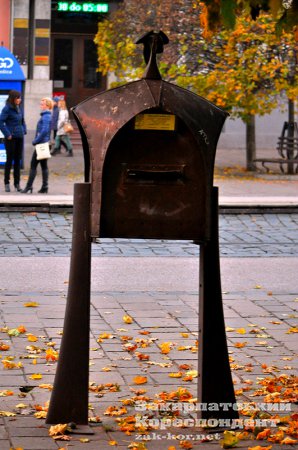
x: 11, y: 77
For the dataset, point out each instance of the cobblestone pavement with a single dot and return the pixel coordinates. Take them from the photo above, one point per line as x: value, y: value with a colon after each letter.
x: 268, y: 349
x: 43, y: 234
x: 261, y: 328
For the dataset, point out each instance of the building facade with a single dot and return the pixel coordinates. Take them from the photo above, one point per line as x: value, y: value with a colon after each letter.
x: 53, y: 42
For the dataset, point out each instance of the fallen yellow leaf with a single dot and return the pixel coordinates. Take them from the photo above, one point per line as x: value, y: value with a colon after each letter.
x: 292, y: 330
x: 32, y: 338
x: 46, y: 386
x: 31, y: 304
x: 192, y: 373
x: 51, y: 355
x: 58, y: 429
x: 289, y: 441
x: 165, y: 347
x: 186, y: 445
x: 105, y: 336
x: 115, y: 411
x: 7, y: 414
x: 127, y: 319
x: 21, y: 329
x: 4, y: 347
x: 40, y: 414
x: 21, y: 406
x: 263, y: 434
x: 5, y: 393
x: 240, y: 344
x: 11, y: 365
x: 36, y: 376
x: 140, y: 380
x: 259, y: 447
x: 229, y: 439
x: 241, y: 330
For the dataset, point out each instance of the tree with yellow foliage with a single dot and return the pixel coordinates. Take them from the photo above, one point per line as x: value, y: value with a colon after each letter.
x: 255, y: 69
x: 225, y: 12
x: 244, y: 70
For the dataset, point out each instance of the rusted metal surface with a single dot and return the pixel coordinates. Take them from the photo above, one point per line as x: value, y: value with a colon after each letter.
x: 149, y: 150
x: 107, y: 123
x: 69, y: 399
x: 215, y: 384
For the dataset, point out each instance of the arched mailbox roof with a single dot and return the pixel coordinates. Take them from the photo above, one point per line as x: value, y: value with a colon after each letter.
x: 103, y: 115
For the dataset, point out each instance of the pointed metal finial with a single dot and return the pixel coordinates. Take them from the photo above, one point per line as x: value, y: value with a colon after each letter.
x: 153, y: 42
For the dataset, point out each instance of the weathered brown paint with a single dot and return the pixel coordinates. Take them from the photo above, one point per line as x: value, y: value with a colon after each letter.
x: 106, y: 121
x: 146, y: 184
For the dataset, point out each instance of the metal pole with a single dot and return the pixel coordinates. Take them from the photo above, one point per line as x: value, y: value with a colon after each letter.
x: 215, y: 385
x: 69, y: 400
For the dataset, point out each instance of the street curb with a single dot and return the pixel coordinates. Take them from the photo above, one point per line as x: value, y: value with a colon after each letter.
x: 223, y: 209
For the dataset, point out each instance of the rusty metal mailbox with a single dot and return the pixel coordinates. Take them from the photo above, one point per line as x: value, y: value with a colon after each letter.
x: 149, y: 150
x: 151, y: 147
x: 152, y: 178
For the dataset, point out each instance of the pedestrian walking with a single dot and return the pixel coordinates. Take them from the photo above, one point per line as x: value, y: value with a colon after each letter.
x: 13, y: 127
x: 62, y: 136
x: 43, y: 135
x: 54, y: 122
x: 55, y: 114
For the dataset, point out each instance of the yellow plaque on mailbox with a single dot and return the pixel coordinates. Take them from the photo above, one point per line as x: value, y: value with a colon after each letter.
x: 155, y: 122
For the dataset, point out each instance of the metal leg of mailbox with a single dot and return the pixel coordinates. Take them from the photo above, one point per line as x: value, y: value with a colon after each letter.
x: 69, y: 400
x: 215, y: 379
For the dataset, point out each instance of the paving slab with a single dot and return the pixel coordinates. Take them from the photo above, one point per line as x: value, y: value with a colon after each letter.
x: 255, y: 298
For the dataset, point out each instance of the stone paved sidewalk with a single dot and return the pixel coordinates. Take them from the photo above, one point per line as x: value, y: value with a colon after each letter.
x: 257, y: 318
x: 260, y: 303
x: 43, y: 234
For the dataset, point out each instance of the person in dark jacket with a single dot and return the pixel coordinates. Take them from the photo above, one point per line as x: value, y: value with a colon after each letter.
x: 13, y: 127
x: 43, y: 134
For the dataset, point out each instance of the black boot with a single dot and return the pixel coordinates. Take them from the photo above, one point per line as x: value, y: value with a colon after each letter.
x: 7, y: 187
x: 29, y: 185
x: 17, y: 187
x: 45, y: 180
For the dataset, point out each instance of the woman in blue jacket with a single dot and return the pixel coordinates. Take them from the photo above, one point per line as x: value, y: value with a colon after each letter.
x: 42, y: 135
x: 13, y: 127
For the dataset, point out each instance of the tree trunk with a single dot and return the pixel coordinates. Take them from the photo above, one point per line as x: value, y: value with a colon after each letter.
x: 291, y: 111
x: 290, y: 136
x: 250, y: 143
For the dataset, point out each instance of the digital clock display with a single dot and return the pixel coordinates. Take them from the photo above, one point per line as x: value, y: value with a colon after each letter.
x: 85, y: 7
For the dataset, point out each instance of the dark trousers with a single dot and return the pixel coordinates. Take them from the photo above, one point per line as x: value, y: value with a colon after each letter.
x: 35, y: 162
x: 14, y: 148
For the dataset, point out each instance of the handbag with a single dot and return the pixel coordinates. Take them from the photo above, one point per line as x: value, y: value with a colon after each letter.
x: 67, y: 127
x: 43, y: 151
